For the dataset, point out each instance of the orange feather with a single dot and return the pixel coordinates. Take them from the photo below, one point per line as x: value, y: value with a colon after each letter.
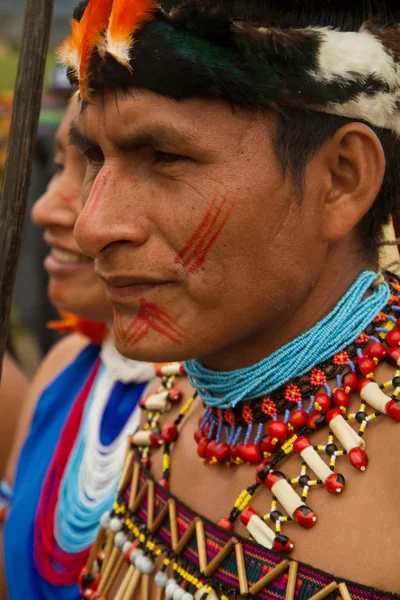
x: 88, y: 33
x: 127, y: 16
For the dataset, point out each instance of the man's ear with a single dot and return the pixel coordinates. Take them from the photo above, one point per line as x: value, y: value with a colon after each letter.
x: 356, y: 162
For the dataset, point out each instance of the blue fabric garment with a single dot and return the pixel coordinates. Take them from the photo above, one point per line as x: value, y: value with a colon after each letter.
x: 49, y: 418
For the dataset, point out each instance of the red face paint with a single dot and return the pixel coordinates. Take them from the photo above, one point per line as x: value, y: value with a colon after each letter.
x: 70, y: 195
x: 150, y: 316
x: 98, y: 188
x: 56, y: 292
x: 194, y: 253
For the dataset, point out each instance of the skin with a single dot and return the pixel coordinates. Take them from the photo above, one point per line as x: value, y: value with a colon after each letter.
x: 80, y: 292
x: 277, y: 267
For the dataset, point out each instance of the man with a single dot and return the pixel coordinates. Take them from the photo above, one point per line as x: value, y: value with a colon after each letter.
x: 242, y: 160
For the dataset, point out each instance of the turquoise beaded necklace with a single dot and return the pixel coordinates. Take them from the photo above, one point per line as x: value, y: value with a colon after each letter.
x: 225, y: 389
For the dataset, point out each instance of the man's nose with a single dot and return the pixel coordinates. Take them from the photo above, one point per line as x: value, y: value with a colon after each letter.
x: 112, y: 214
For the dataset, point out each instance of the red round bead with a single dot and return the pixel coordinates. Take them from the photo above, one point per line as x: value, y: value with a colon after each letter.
x: 298, y: 419
x: 268, y: 444
x: 155, y: 440
x: 358, y: 459
x: 83, y: 575
x: 366, y: 365
x: 394, y: 355
x: 247, y: 514
x: 202, y: 447
x: 175, y: 395
x: 199, y: 435
x: 272, y: 478
x: 260, y: 473
x: 236, y: 454
x: 278, y: 430
x: 350, y: 381
x: 88, y: 593
x: 222, y: 452
x: 322, y: 403
x: 340, y: 398
x: 251, y: 453
x: 305, y: 517
x: 100, y: 556
x: 332, y: 414
x: 376, y: 350
x: 146, y: 462
x: 362, y: 383
x: 283, y: 544
x: 393, y: 338
x: 211, y: 449
x: 335, y: 483
x: 225, y: 524
x: 169, y: 433
x: 164, y: 483
x: 393, y: 410
x: 301, y: 444
x: 316, y: 419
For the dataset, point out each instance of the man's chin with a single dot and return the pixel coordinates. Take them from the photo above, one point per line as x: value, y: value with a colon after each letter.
x: 156, y: 352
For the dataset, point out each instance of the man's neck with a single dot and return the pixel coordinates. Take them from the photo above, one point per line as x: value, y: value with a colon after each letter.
x: 340, y: 271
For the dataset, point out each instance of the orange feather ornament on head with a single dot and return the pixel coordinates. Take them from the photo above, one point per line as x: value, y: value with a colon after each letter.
x: 86, y: 36
x: 94, y: 330
x: 127, y: 16
x: 95, y: 23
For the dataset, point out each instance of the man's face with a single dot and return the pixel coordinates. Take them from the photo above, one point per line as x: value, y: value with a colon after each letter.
x: 203, y: 244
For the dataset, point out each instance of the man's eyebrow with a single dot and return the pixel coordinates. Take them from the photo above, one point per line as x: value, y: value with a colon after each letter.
x: 154, y: 136
x: 81, y: 141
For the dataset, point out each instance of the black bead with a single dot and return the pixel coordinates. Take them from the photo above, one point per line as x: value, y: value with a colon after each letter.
x: 360, y: 416
x: 275, y: 515
x: 331, y: 449
x: 262, y: 475
x: 396, y: 382
x: 303, y: 480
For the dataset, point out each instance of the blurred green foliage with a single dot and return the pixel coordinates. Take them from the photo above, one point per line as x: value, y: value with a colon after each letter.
x: 8, y: 69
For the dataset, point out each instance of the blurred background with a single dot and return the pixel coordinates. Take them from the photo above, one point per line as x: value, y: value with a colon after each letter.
x: 30, y: 339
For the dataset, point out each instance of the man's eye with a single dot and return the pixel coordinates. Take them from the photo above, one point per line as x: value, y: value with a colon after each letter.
x: 94, y: 157
x: 56, y: 168
x: 161, y: 158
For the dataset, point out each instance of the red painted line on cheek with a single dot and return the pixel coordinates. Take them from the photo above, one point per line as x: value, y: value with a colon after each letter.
x: 98, y: 188
x: 199, y: 247
x: 57, y: 292
x: 138, y: 335
x: 198, y: 263
x: 154, y: 316
x: 196, y: 234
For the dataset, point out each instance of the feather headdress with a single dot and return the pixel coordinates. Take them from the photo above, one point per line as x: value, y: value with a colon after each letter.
x: 199, y: 50
x: 126, y: 18
x: 86, y: 35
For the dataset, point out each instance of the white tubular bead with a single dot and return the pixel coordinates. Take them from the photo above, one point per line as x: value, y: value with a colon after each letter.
x: 286, y: 496
x: 178, y: 594
x: 141, y: 438
x: 115, y: 525
x: 161, y: 579
x: 346, y: 434
x: 120, y: 539
x: 187, y: 596
x: 260, y: 531
x: 134, y: 555
x: 211, y: 596
x: 126, y: 547
x: 158, y: 402
x: 375, y: 397
x: 105, y: 520
x: 170, y: 589
x: 169, y: 370
x: 316, y: 464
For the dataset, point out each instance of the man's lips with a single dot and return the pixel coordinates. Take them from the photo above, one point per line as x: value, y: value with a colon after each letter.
x: 126, y: 289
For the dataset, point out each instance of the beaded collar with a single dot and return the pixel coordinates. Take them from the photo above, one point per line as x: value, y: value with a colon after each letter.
x: 203, y: 560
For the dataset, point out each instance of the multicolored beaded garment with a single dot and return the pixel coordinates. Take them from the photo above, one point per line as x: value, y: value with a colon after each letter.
x: 206, y: 561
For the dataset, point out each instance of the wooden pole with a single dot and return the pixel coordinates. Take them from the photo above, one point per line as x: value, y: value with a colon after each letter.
x: 21, y: 144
